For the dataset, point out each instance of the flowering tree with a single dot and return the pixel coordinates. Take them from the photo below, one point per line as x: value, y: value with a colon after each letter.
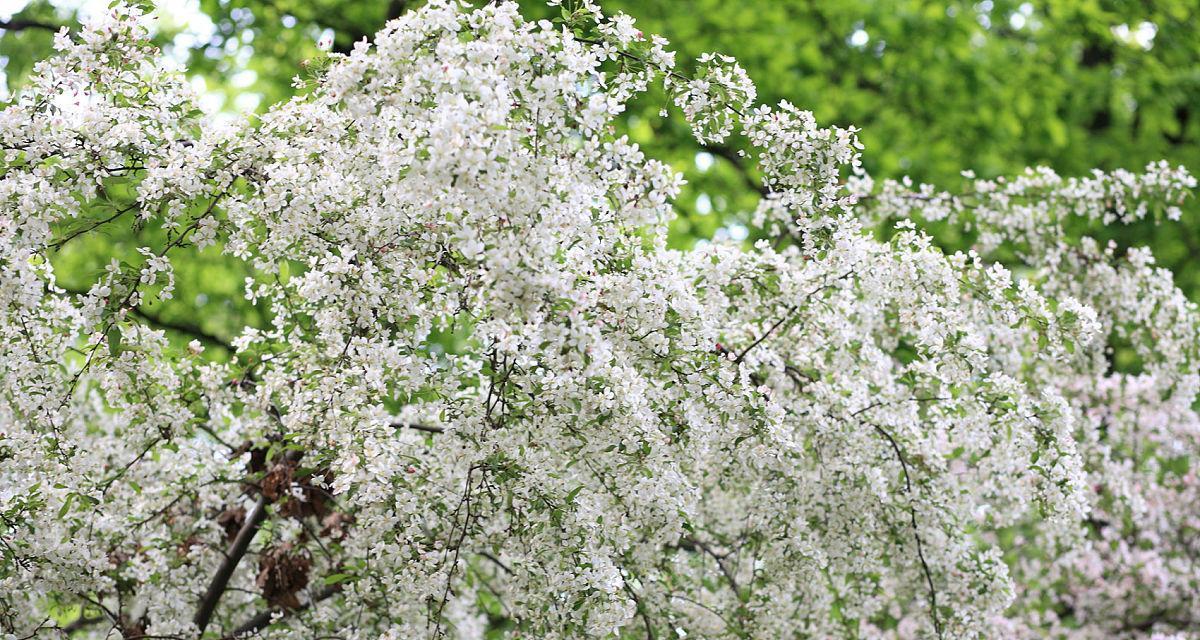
x: 490, y: 400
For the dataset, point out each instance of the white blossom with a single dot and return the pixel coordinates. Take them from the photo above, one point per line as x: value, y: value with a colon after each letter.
x: 486, y: 389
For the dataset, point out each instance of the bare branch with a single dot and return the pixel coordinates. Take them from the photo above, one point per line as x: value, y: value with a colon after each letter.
x: 18, y: 24
x: 418, y: 427
x: 208, y: 604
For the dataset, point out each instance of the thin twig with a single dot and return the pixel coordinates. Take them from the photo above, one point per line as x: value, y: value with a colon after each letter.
x: 912, y: 513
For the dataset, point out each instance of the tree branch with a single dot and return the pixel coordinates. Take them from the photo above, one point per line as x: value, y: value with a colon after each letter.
x: 912, y: 514
x: 786, y: 316
x: 418, y: 427
x: 263, y: 618
x: 185, y: 328
x: 19, y: 24
x: 738, y: 162
x: 208, y: 604
x: 92, y: 227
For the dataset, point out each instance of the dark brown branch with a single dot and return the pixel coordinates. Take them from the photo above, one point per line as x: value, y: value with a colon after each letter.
x: 19, y: 24
x: 418, y: 427
x: 912, y: 514
x: 641, y: 609
x: 720, y: 560
x: 262, y: 619
x: 738, y: 162
x: 496, y: 561
x: 82, y: 622
x: 208, y: 604
x: 1177, y: 620
x: 396, y: 8
x: 465, y: 502
x: 92, y: 227
x: 786, y: 316
x: 185, y: 328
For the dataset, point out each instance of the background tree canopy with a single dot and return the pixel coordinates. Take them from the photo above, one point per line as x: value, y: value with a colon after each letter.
x: 994, y: 85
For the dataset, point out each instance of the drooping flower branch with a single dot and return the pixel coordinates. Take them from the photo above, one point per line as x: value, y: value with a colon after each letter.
x: 487, y: 396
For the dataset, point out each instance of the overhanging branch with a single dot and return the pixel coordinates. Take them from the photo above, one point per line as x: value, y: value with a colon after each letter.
x: 18, y: 24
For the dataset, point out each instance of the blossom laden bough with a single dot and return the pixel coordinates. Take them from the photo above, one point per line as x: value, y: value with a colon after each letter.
x: 488, y: 398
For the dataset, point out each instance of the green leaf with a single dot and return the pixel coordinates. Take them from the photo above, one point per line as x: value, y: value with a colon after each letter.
x: 114, y: 341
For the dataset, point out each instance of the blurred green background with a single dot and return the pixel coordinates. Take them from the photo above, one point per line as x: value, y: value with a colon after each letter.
x: 936, y: 87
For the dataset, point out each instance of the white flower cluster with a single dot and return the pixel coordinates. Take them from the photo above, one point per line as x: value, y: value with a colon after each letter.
x: 714, y: 97
x: 488, y: 399
x: 1032, y: 207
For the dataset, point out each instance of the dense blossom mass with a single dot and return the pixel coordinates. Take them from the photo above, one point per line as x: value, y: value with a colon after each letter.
x: 487, y: 398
